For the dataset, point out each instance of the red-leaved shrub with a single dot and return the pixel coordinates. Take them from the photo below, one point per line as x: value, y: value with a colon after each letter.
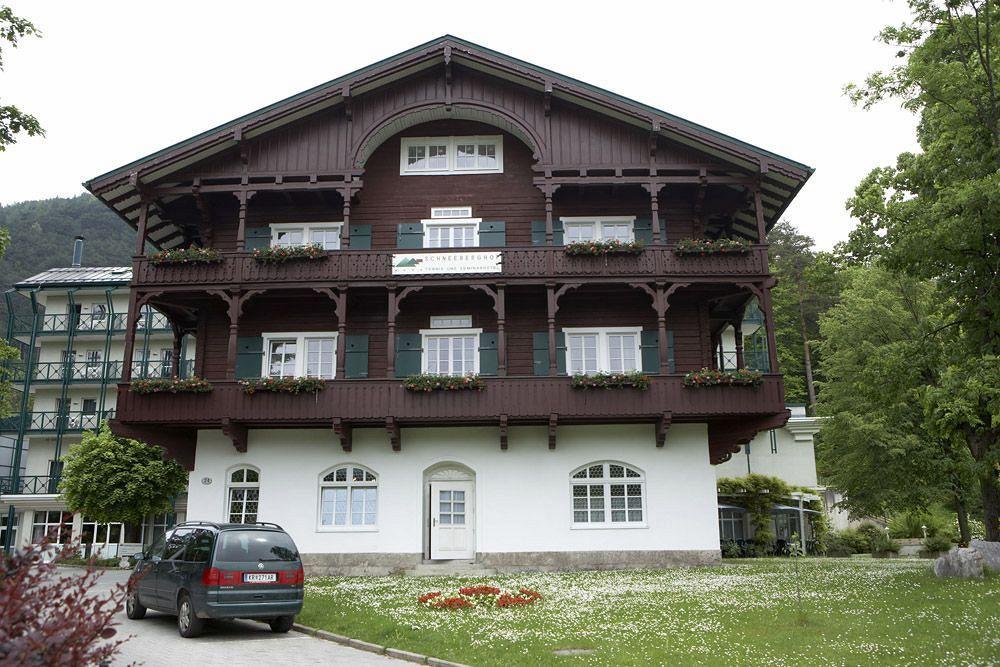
x: 51, y: 618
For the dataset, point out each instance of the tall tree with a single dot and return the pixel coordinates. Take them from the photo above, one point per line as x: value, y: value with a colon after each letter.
x: 882, y: 352
x: 13, y: 121
x: 936, y: 214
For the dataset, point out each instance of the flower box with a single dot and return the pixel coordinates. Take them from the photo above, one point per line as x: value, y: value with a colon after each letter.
x: 280, y: 254
x: 595, y: 248
x: 192, y: 385
x: 428, y: 382
x: 710, y: 247
x: 192, y: 255
x: 283, y: 385
x: 633, y: 380
x: 706, y: 377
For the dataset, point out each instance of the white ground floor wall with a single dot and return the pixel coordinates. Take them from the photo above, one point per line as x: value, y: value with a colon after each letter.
x: 521, y: 499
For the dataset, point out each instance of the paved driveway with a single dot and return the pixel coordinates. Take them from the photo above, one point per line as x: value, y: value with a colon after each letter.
x: 155, y: 643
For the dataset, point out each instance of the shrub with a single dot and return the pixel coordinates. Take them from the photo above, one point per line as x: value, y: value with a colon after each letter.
x: 48, y: 618
x: 731, y: 550
x: 936, y: 543
x: 870, y: 531
x: 911, y: 524
x: 837, y: 546
x: 883, y: 546
x: 854, y: 539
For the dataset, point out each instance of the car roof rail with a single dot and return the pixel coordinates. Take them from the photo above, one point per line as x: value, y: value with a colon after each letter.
x: 197, y: 523
x: 267, y: 523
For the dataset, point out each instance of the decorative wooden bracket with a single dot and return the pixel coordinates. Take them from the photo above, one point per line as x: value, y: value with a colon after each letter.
x: 503, y: 432
x: 236, y: 432
x: 403, y: 293
x: 553, y: 423
x: 662, y: 426
x: 559, y: 292
x: 345, y: 93
x: 392, y: 428
x: 345, y: 432
x: 548, y: 98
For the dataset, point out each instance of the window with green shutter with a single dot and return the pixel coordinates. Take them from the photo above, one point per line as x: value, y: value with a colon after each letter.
x: 492, y: 234
x: 540, y: 353
x: 408, y: 354
x: 361, y: 237
x: 410, y: 235
x: 257, y: 237
x: 249, y: 357
x: 356, y: 356
x: 488, y: 356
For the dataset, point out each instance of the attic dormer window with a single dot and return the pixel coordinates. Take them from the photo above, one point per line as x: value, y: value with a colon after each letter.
x: 451, y: 155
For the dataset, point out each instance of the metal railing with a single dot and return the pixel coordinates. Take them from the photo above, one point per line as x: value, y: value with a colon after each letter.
x: 86, y: 323
x: 50, y: 372
x: 755, y: 360
x: 52, y: 421
x: 30, y: 485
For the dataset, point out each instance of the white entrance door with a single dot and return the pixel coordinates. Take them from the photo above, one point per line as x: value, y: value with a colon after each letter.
x: 452, y: 520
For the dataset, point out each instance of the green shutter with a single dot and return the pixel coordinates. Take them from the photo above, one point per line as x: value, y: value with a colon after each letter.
x: 410, y: 236
x: 650, y: 347
x: 537, y: 232
x: 560, y: 353
x: 356, y: 355
x: 492, y: 234
x: 488, y: 358
x: 249, y: 357
x: 540, y: 352
x: 557, y: 232
x: 257, y: 237
x: 408, y: 351
x: 670, y: 352
x: 360, y: 237
x: 643, y: 228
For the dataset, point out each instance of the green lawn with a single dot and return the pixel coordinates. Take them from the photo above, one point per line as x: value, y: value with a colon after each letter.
x: 855, y: 611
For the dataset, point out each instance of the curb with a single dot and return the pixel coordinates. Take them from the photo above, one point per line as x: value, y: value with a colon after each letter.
x: 399, y: 654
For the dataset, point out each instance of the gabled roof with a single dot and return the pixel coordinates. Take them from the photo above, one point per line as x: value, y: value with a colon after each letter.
x: 70, y: 276
x: 783, y: 179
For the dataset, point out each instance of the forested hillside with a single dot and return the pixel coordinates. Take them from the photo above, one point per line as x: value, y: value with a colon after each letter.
x: 42, y: 236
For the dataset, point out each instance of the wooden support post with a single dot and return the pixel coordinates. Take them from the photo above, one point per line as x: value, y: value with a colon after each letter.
x: 344, y: 432
x: 390, y: 365
x: 549, y: 236
x: 233, y: 301
x: 345, y: 229
x: 237, y: 432
x: 392, y: 429
x: 551, y: 303
x: 553, y: 426
x: 503, y: 432
x: 662, y: 426
x: 501, y: 332
x: 201, y: 337
x: 140, y: 237
x: 130, y: 321
x: 241, y: 229
x: 175, y: 360
x: 654, y: 206
x: 772, y: 343
x: 340, y: 304
x: 738, y: 336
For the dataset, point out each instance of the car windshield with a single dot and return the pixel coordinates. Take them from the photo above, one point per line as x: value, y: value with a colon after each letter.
x: 254, y: 545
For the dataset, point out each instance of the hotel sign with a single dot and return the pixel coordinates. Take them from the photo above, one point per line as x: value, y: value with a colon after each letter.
x: 435, y: 263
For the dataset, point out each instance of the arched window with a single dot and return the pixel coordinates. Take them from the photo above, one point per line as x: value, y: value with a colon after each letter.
x: 348, y: 498
x: 608, y: 494
x: 244, y: 495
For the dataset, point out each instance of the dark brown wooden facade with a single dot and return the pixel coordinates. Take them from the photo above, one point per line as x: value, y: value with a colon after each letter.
x: 332, y: 155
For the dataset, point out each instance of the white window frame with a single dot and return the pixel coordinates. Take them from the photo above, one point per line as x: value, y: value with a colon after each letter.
x: 448, y: 333
x: 598, y: 222
x: 452, y: 222
x: 440, y: 321
x: 444, y: 212
x: 603, y: 350
x: 348, y: 527
x: 301, y: 337
x: 452, y: 148
x: 607, y: 481
x: 231, y: 486
x: 307, y: 230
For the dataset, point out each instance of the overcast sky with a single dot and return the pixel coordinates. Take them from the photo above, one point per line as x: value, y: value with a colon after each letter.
x: 113, y: 81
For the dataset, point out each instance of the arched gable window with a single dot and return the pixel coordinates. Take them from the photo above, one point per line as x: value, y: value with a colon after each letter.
x: 348, y: 498
x: 243, y: 495
x: 608, y: 493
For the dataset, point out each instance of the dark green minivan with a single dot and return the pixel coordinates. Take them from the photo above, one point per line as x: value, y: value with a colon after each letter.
x: 200, y: 570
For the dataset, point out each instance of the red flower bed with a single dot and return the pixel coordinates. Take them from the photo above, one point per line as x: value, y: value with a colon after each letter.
x: 427, y: 597
x: 471, y: 596
x: 477, y: 591
x: 452, y: 603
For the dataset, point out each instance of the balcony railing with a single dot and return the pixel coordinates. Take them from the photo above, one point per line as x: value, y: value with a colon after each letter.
x: 29, y: 485
x: 753, y: 359
x: 527, y: 263
x: 80, y: 372
x: 50, y: 422
x: 526, y: 399
x: 59, y: 323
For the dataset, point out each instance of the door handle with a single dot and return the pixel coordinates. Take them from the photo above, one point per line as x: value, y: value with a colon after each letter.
x: 434, y: 522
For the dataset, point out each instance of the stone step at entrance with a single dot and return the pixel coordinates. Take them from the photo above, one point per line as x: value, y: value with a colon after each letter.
x: 449, y: 568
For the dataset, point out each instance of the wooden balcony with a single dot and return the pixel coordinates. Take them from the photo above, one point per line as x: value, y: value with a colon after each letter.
x: 519, y: 264
x: 521, y: 399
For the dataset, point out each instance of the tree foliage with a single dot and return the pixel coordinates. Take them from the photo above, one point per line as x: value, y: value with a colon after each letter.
x: 13, y: 121
x: 108, y: 478
x: 882, y: 349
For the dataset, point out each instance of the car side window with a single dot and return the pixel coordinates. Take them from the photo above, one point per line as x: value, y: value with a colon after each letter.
x: 200, y: 545
x: 177, y: 543
x: 156, y: 548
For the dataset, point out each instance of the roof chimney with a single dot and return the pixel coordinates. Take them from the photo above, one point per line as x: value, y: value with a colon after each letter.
x: 78, y: 251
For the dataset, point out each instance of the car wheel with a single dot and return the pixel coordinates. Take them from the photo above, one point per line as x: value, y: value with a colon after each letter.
x: 133, y: 608
x: 188, y: 623
x: 282, y: 624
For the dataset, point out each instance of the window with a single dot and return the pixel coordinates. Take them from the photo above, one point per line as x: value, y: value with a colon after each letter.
x: 348, y: 498
x: 591, y: 351
x: 166, y: 362
x: 774, y: 441
x: 244, y: 495
x: 447, y: 155
x: 326, y: 234
x: 310, y: 354
x: 13, y: 533
x: 89, y: 406
x: 730, y: 525
x: 439, y: 212
x: 608, y: 494
x: 155, y: 527
x: 56, y: 525
x: 607, y: 228
x: 451, y: 235
x: 93, y: 360
x: 451, y: 351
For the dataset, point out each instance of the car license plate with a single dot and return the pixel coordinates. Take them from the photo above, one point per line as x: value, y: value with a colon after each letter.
x: 259, y: 577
